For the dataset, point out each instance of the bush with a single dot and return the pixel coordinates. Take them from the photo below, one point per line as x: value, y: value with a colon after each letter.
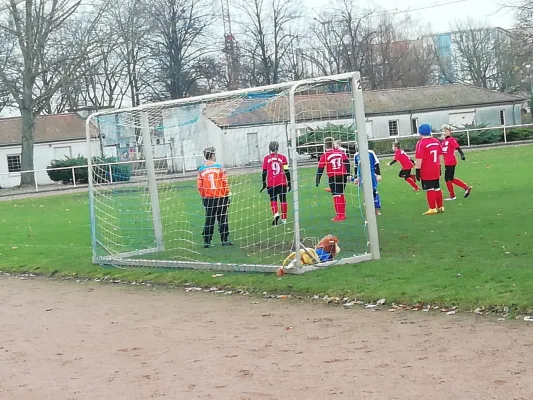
x: 109, y: 171
x: 106, y: 172
x: 381, y: 147
x: 517, y: 134
x: 65, y: 175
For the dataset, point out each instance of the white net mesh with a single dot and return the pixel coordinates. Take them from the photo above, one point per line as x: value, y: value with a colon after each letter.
x: 147, y: 210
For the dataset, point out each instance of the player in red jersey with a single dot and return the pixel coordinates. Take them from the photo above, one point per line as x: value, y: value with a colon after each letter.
x: 407, y: 165
x: 277, y: 181
x: 337, y: 166
x: 428, y: 154
x: 449, y: 145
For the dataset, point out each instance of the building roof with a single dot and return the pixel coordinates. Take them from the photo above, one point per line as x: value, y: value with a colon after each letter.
x: 252, y: 111
x: 48, y: 128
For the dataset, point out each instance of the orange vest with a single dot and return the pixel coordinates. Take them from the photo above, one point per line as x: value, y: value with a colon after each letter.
x: 212, y: 181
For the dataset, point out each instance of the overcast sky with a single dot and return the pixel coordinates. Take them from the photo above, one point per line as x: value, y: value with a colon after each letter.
x: 440, y: 16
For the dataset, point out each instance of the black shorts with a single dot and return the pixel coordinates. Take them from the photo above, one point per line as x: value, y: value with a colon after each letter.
x: 405, y: 173
x: 337, y: 183
x: 278, y: 191
x: 431, y: 185
x: 449, y: 172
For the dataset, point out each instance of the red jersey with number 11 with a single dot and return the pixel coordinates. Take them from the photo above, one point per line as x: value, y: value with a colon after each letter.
x: 275, y: 165
x: 333, y: 161
x: 429, y: 151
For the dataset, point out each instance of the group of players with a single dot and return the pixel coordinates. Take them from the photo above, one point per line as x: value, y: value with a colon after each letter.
x: 214, y: 189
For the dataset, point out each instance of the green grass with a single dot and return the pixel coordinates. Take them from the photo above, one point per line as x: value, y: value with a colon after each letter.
x: 478, y: 253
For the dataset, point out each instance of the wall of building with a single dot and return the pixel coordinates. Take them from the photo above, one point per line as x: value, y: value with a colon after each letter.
x: 44, y: 153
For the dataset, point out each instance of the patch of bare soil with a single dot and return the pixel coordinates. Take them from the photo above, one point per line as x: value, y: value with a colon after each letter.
x: 83, y: 341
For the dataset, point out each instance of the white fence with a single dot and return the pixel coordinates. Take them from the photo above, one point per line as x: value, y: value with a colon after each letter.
x: 178, y: 167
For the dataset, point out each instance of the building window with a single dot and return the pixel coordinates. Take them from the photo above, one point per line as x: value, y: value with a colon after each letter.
x: 393, y: 128
x: 502, y: 117
x: 13, y: 163
x: 414, y: 126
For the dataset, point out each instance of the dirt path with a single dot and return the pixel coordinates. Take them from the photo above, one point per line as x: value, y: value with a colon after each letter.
x: 77, y: 341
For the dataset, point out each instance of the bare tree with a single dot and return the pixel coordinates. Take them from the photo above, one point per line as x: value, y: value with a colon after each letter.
x: 182, y: 41
x: 38, y: 59
x: 268, y: 29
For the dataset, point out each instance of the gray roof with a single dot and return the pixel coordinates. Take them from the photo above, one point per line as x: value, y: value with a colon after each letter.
x: 329, y: 106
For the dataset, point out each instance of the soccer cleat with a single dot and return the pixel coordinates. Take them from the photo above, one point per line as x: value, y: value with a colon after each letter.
x: 416, y: 190
x: 227, y: 243
x: 467, y: 191
x: 450, y: 198
x: 378, y: 212
x: 431, y: 211
x: 275, y: 221
x: 327, y: 190
x: 283, y: 221
x: 207, y: 245
x: 440, y: 209
x: 337, y: 218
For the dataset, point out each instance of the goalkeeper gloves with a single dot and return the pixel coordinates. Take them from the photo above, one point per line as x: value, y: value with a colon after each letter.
x: 463, y: 157
x: 263, y: 188
x: 418, y: 174
x: 289, y: 187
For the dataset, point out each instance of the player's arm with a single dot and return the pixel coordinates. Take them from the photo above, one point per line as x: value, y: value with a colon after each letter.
x: 320, y: 170
x: 287, y: 175
x: 460, y: 151
x: 393, y: 162
x: 264, y: 179
x: 346, y: 162
x: 418, y: 161
x: 199, y: 185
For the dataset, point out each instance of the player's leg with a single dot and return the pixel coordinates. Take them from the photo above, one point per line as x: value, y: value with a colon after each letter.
x: 222, y: 218
x: 210, y: 217
x: 462, y: 185
x: 332, y: 187
x: 377, y: 201
x: 438, y: 196
x: 431, y: 198
x: 449, y: 173
x: 283, y: 201
x: 273, y: 195
x: 409, y: 178
x: 341, y: 189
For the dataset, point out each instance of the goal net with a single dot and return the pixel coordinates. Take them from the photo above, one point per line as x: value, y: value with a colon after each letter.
x: 178, y: 184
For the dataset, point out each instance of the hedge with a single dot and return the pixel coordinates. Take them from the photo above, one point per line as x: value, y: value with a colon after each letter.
x: 108, y: 171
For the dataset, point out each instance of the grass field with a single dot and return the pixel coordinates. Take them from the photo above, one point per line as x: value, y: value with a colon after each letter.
x: 478, y: 253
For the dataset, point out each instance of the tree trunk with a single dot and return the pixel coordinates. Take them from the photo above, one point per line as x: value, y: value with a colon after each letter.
x: 26, y: 156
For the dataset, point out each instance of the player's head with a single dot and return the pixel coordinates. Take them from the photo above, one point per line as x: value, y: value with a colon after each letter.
x: 329, y: 142
x: 424, y: 130
x: 396, y: 145
x: 210, y: 154
x: 273, y: 147
x: 337, y: 144
x: 447, y: 130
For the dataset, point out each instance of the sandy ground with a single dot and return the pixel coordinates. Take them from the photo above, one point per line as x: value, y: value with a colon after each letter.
x: 61, y: 340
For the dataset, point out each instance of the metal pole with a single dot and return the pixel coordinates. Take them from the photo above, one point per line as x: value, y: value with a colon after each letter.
x: 362, y: 141
x: 294, y: 175
x: 74, y: 176
x: 468, y: 138
x: 91, y: 187
x: 152, y: 181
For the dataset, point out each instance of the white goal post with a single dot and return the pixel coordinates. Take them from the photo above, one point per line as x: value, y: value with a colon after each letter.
x: 145, y: 207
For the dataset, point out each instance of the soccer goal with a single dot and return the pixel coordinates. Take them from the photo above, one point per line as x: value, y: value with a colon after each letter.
x: 145, y: 206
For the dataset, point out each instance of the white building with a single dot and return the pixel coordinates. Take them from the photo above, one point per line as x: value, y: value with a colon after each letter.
x: 56, y: 136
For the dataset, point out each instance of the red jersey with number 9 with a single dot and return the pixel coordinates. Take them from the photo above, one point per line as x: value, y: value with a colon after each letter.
x: 429, y: 151
x: 275, y: 165
x: 333, y: 161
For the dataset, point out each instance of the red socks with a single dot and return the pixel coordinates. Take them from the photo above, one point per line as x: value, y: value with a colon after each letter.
x: 412, y: 182
x: 431, y: 197
x: 339, y: 202
x: 438, y: 198
x: 283, y: 210
x: 460, y: 183
x: 274, y: 207
x: 449, y: 185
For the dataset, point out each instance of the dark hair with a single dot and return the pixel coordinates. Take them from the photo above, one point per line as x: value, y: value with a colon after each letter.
x: 273, y: 147
x: 209, y: 152
x: 328, y: 143
x: 397, y: 145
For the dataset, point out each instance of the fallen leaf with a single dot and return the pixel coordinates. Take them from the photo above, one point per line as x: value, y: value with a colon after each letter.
x: 450, y: 312
x: 528, y: 319
x: 216, y: 275
x: 381, y: 302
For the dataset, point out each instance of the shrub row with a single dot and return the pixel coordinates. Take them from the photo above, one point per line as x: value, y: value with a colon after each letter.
x: 106, y: 172
x: 476, y: 138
